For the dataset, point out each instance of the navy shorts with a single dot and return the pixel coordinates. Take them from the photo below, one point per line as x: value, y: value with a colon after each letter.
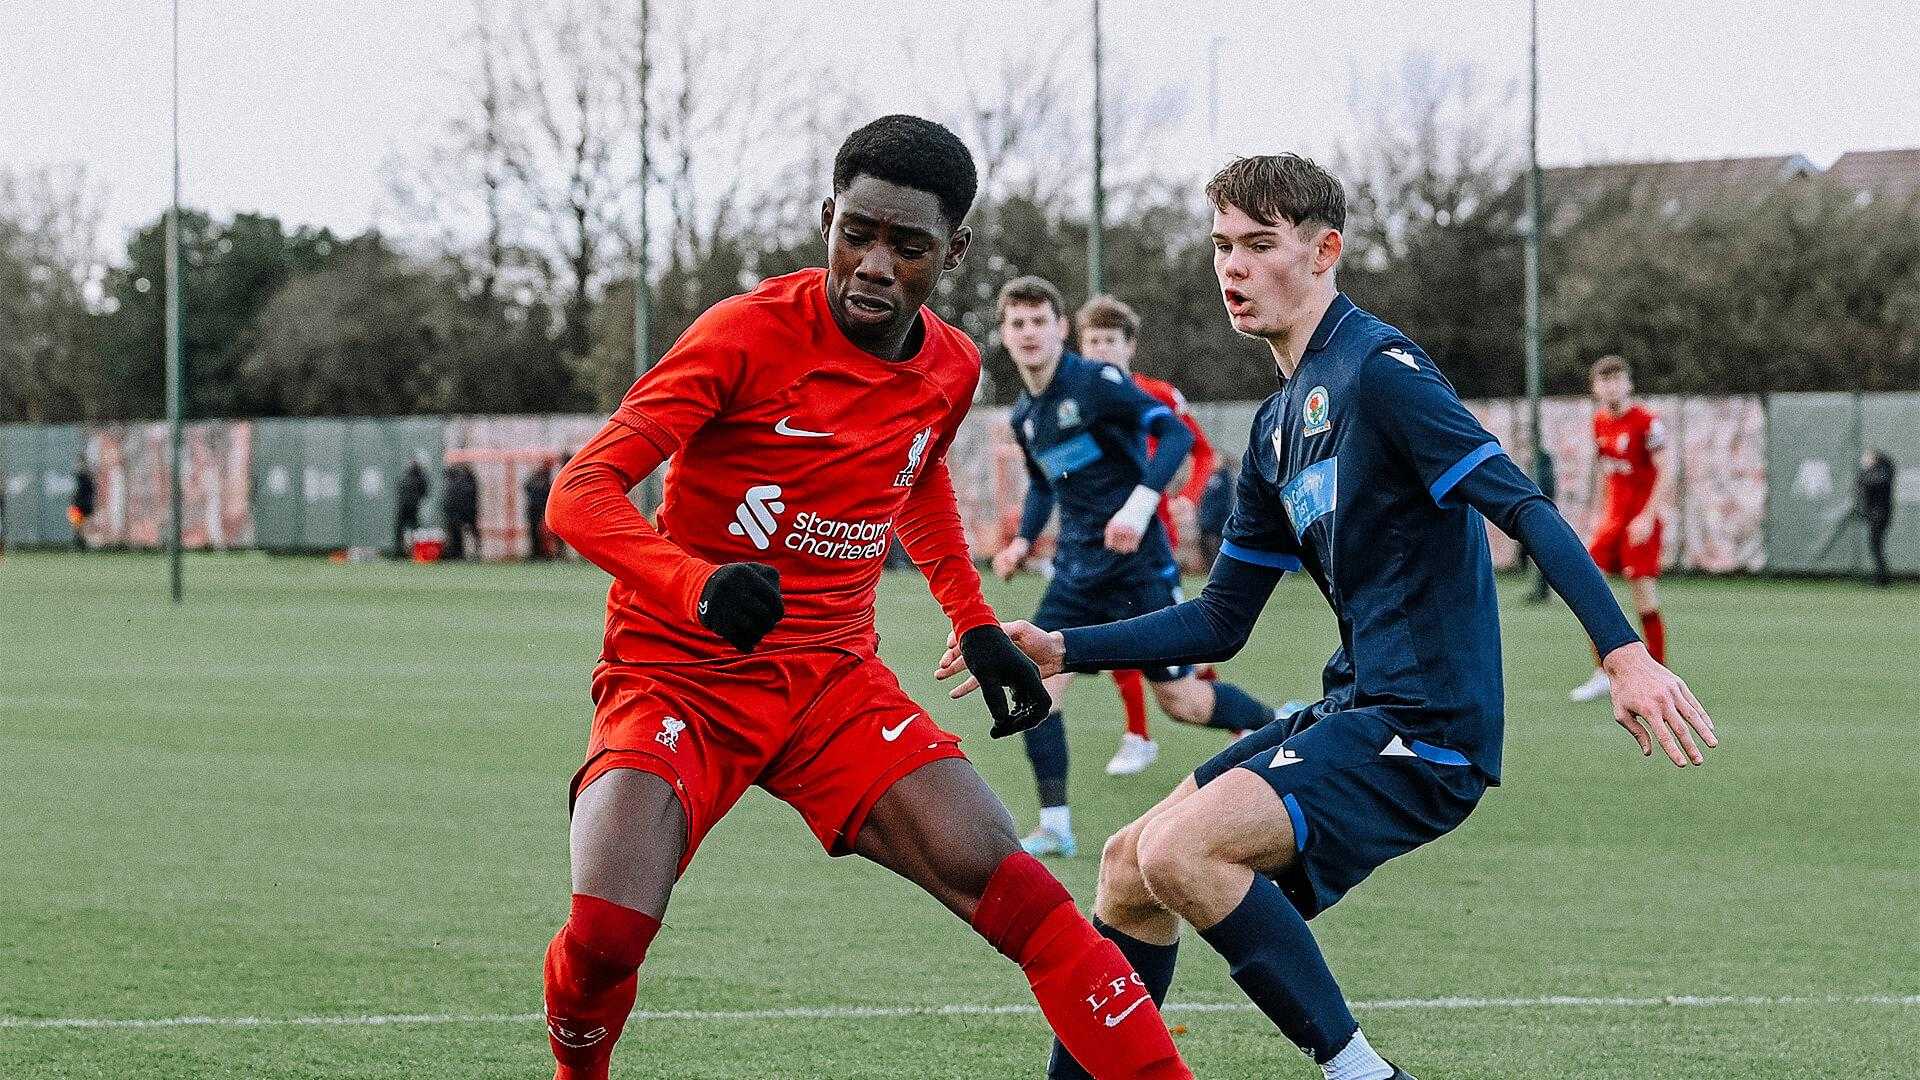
x: 1069, y: 603
x: 1357, y: 792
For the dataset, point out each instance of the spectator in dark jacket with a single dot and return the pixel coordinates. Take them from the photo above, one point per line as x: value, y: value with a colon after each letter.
x: 460, y: 506
x: 412, y: 494
x: 537, y: 486
x: 1873, y: 495
x: 1872, y: 505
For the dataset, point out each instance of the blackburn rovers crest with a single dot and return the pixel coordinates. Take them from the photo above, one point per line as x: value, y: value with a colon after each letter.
x: 1068, y: 414
x: 1315, y: 419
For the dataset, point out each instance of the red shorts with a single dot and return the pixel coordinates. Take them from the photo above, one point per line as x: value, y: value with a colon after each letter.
x: 825, y: 732
x: 1615, y: 554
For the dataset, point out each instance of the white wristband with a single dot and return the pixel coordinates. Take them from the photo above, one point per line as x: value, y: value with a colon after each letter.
x: 1139, y: 509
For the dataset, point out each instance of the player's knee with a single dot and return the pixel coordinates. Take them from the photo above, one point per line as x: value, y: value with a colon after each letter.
x: 612, y: 935
x: 1188, y: 701
x: 1171, y: 858
x: 1122, y: 892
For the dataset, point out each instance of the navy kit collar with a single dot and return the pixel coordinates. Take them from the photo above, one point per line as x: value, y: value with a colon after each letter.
x: 1067, y: 357
x: 1336, y: 314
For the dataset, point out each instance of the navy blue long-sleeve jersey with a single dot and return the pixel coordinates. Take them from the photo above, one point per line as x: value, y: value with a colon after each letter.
x: 1084, y: 438
x: 1365, y: 471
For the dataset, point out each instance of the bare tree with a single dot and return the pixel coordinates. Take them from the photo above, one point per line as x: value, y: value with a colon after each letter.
x: 1432, y: 215
x: 50, y: 274
x: 561, y: 147
x: 456, y: 191
x: 1436, y: 146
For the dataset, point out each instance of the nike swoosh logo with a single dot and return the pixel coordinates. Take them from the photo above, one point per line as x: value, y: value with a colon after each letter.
x: 785, y: 427
x: 892, y: 733
x: 1114, y: 1021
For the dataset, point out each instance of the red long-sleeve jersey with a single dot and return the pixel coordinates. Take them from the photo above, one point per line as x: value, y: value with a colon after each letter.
x: 791, y: 446
x: 1200, y: 461
x: 1623, y: 448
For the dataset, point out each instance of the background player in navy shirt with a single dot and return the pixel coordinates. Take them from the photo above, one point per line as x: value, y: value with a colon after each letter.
x: 1365, y: 472
x: 1083, y: 428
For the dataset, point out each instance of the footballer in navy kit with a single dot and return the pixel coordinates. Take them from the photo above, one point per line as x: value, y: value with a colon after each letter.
x: 1083, y: 428
x: 1367, y: 473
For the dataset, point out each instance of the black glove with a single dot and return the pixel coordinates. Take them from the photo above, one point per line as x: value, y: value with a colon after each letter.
x: 992, y: 658
x: 741, y: 603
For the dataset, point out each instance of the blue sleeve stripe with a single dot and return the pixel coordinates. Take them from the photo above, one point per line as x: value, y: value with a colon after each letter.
x: 1462, y: 467
x: 1439, y: 755
x: 1270, y: 559
x: 1299, y: 818
x: 1153, y: 414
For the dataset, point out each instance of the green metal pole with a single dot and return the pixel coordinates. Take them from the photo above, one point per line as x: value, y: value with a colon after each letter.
x: 1096, y: 227
x: 642, y: 293
x: 1541, y: 462
x: 175, y: 389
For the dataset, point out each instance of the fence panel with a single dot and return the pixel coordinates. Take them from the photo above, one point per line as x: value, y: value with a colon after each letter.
x: 1813, y: 452
x: 323, y: 485
x: 20, y: 471
x: 279, y: 461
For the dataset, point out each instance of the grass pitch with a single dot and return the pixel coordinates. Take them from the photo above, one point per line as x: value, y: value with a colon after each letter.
x: 321, y: 791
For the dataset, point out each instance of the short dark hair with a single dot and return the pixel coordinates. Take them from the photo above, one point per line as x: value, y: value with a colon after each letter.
x: 1031, y: 289
x: 1273, y: 188
x: 1108, y: 313
x: 1611, y: 365
x: 911, y: 152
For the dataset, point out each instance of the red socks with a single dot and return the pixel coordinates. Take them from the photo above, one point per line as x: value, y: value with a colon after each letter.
x: 1091, y: 996
x: 591, y: 973
x: 1655, y: 631
x: 1133, y: 698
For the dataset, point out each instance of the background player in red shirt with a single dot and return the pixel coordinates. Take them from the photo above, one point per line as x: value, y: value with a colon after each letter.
x: 1630, y: 448
x: 808, y: 421
x: 1109, y: 330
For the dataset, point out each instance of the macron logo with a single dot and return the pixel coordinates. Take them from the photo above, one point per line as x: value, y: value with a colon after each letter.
x: 754, y: 517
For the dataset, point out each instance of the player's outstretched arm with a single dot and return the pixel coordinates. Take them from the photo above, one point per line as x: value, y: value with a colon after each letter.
x: 930, y: 529
x: 1652, y: 703
x: 589, y: 509
x: 1208, y: 629
x: 1424, y: 420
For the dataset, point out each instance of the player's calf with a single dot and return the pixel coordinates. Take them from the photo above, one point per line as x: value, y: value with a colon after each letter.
x: 942, y: 828
x: 1098, y: 1005
x: 1212, y: 703
x: 628, y: 836
x: 591, y: 973
x: 1210, y: 859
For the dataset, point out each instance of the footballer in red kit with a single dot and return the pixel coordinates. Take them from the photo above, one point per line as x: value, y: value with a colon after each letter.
x: 807, y: 424
x: 1627, y: 531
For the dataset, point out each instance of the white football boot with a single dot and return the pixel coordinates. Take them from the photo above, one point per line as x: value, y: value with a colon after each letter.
x: 1593, y: 689
x: 1134, y: 755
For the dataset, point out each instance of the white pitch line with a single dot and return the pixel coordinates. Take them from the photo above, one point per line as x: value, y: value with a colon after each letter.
x: 895, y: 1012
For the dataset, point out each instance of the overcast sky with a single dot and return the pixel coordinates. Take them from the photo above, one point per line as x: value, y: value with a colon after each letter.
x: 294, y: 108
